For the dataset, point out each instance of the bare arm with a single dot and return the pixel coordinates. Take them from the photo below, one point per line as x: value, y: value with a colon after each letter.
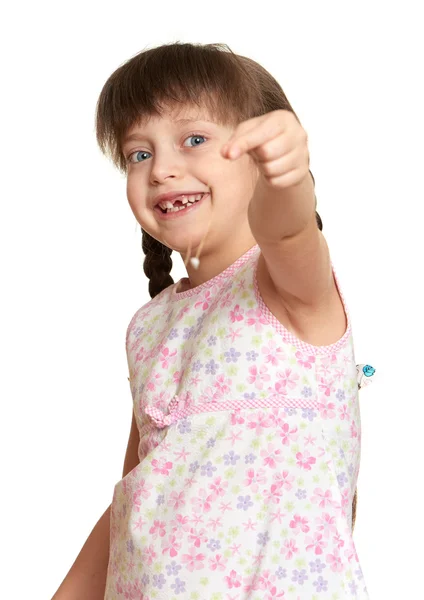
x: 86, y: 579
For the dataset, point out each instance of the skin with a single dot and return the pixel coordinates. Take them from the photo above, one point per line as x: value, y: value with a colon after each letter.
x: 261, y: 192
x: 174, y: 163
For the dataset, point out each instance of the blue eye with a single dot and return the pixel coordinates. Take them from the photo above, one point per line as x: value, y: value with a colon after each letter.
x: 196, y: 138
x: 137, y: 154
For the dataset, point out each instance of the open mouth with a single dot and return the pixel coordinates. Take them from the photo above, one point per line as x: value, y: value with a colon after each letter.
x: 180, y: 204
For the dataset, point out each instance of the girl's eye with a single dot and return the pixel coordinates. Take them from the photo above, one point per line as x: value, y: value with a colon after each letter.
x: 140, y: 154
x: 196, y: 139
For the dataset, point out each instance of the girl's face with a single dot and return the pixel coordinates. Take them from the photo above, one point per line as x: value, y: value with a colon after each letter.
x: 181, y: 152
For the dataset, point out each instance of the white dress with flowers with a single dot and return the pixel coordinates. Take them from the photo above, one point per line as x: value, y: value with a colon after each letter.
x: 249, y: 453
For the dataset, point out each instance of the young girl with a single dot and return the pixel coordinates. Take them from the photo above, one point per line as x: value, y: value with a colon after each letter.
x: 243, y: 376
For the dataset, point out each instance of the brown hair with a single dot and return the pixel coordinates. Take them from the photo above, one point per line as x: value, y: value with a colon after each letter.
x: 233, y: 88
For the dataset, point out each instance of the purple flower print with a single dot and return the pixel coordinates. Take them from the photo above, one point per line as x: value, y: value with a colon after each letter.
x: 350, y: 469
x: 306, y: 392
x: 249, y: 396
x: 280, y: 572
x: 211, y: 367
x: 340, y: 395
x: 130, y: 546
x: 197, y: 365
x: 184, y: 426
x: 263, y: 538
x: 317, y: 566
x: 212, y: 340
x: 145, y: 580
x: 208, y: 469
x: 341, y: 478
x: 210, y: 443
x: 232, y: 355
x: 244, y: 502
x: 159, y: 581
x: 299, y: 576
x: 353, y: 588
x: 178, y: 586
x: 301, y: 494
x: 309, y: 413
x: 214, y: 544
x: 173, y: 568
x: 231, y: 458
x: 252, y: 355
x: 321, y: 584
x: 249, y: 459
x: 194, y: 466
x: 341, y: 452
x: 138, y: 331
x: 173, y: 334
x: 188, y: 332
x: 290, y: 411
x: 160, y: 499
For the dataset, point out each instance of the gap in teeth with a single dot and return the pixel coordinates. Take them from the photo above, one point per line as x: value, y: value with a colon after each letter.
x: 169, y: 207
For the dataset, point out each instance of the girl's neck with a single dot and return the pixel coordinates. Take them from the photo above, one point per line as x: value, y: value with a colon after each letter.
x: 215, y: 261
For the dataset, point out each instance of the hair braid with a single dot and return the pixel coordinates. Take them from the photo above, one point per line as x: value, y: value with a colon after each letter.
x: 157, y: 264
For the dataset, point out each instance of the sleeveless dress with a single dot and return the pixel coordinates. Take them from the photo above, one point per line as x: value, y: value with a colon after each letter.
x: 249, y: 453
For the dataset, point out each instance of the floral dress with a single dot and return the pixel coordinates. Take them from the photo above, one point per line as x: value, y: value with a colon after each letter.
x: 249, y: 453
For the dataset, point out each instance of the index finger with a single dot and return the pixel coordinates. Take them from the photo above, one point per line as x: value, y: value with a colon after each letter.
x: 264, y: 132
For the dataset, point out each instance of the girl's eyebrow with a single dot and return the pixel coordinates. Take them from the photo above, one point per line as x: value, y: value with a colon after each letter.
x: 134, y: 137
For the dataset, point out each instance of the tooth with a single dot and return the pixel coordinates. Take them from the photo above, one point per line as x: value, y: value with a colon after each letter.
x: 169, y: 204
x: 184, y: 199
x: 198, y: 197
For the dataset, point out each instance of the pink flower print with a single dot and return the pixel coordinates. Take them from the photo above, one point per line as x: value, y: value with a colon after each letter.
x: 203, y: 502
x: 222, y: 384
x: 234, y: 334
x: 289, y: 548
x: 353, y: 429
x: 299, y: 524
x: 273, y: 354
x: 265, y: 581
x: 345, y: 497
x: 326, y: 524
x: 305, y: 460
x: 226, y: 300
x: 254, y: 479
x: 217, y: 562
x: 141, y: 491
x: 218, y: 487
x: 284, y: 480
x: 287, y: 434
x: 167, y: 357
x: 274, y: 494
x: 215, y: 523
x: 236, y: 417
x: 148, y: 555
x: 326, y: 410
x: 256, y: 319
x: 153, y: 381
x: 304, y: 359
x: 323, y: 498
x: 179, y: 525
x: 140, y: 354
x: 176, y: 500
x: 204, y: 300
x: 258, y: 376
x: 177, y: 376
x: 326, y: 386
x: 343, y: 412
x: 197, y: 537
x: 157, y: 529
x: 338, y: 541
x: 287, y: 379
x: 315, y: 543
x: 193, y: 560
x: 271, y: 456
x: 161, y: 466
x: 171, y: 545
x: 233, y: 579
x: 335, y: 562
x: 237, y: 314
x: 259, y: 421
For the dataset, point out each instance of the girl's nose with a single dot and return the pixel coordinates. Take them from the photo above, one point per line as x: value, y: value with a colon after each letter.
x: 164, y: 165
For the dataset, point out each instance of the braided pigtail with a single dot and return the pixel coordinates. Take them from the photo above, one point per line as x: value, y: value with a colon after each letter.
x: 157, y: 264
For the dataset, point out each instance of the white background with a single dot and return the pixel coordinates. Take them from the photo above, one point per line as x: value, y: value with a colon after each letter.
x: 71, y: 259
